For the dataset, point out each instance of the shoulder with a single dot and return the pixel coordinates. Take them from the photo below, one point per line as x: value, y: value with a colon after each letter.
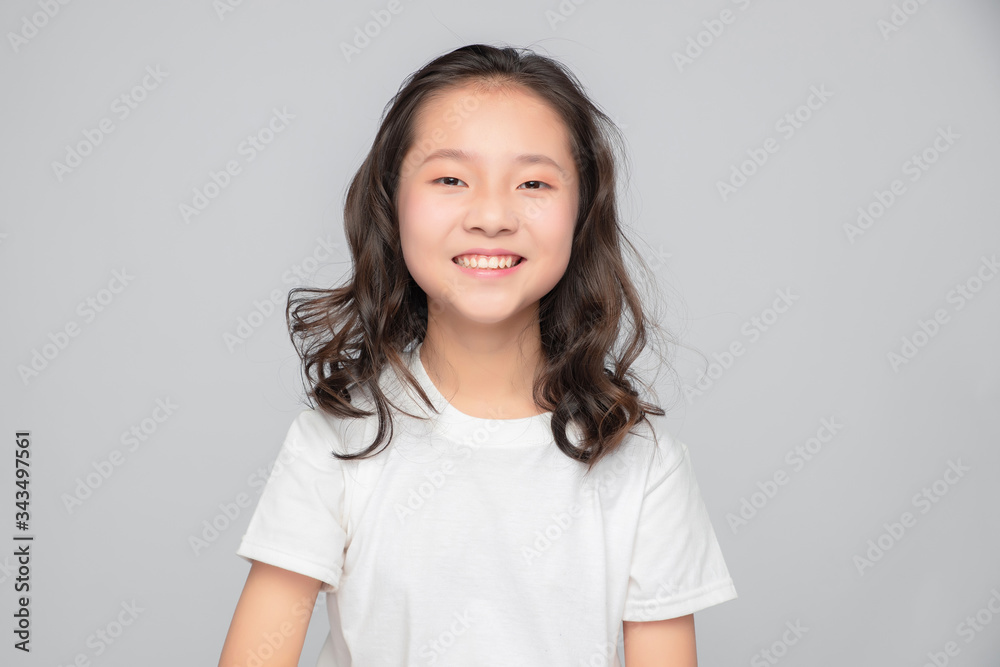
x: 323, y: 433
x: 316, y: 435
x: 648, y: 456
x: 664, y: 452
x: 315, y: 427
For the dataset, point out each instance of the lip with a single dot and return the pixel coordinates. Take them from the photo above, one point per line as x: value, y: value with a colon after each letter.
x: 490, y: 273
x: 488, y: 252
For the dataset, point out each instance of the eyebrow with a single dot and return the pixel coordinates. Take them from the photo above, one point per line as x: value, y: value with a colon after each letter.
x: 467, y: 156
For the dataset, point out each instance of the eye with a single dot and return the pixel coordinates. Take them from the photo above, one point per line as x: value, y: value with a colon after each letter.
x: 537, y: 185
x: 447, y: 178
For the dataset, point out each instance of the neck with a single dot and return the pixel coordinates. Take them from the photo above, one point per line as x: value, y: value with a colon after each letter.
x: 487, y: 373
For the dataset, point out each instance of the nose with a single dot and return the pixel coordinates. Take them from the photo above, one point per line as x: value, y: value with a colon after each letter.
x: 492, y: 212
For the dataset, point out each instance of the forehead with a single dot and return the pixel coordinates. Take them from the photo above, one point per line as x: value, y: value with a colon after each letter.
x: 510, y: 119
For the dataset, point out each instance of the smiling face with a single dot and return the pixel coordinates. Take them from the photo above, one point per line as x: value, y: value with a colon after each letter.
x: 488, y: 171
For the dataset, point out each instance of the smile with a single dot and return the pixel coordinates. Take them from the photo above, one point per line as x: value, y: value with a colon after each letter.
x: 487, y: 261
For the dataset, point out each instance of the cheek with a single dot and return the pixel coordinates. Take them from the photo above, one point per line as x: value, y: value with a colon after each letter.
x: 420, y: 233
x: 423, y: 211
x: 554, y: 226
x: 413, y: 216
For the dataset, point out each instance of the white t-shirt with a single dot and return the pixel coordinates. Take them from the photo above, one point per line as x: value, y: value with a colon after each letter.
x: 473, y: 541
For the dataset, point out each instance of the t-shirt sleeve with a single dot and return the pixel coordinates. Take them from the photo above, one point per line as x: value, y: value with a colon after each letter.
x: 298, y: 523
x: 677, y: 565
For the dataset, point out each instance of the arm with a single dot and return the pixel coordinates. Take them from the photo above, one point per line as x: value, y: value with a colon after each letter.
x: 667, y: 643
x: 271, y: 618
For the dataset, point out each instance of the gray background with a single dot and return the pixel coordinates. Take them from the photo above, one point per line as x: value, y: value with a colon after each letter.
x: 721, y: 262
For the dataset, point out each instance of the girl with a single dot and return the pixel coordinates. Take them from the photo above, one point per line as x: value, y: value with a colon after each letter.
x: 480, y: 483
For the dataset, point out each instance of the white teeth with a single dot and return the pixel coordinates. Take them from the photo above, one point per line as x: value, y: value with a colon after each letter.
x: 486, y: 261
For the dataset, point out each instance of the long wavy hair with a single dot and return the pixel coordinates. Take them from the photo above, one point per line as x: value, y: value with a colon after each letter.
x: 593, y: 325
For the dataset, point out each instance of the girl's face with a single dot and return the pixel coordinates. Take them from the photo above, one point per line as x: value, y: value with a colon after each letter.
x: 489, y: 173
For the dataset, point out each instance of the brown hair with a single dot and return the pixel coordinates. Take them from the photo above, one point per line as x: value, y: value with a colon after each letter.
x: 346, y: 336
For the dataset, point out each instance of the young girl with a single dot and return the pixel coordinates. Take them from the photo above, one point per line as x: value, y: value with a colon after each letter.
x: 480, y: 483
